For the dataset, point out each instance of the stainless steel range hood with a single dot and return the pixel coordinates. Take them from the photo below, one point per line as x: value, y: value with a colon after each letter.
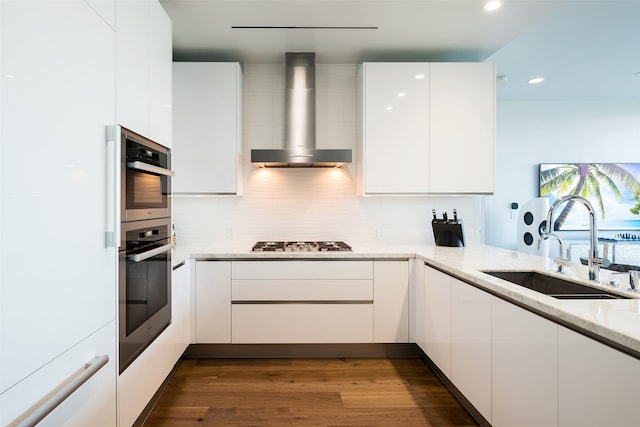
x: 300, y: 102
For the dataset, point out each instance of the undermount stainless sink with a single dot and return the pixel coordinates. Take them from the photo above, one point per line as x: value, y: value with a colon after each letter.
x: 553, y: 286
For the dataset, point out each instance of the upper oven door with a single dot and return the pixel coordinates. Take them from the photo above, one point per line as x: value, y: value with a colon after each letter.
x: 146, y: 178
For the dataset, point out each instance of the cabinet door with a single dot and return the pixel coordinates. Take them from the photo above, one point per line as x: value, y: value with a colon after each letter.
x: 180, y: 307
x: 132, y: 24
x: 160, y: 70
x: 395, y: 128
x: 437, y: 318
x: 207, y: 127
x: 471, y: 344
x: 418, y: 309
x: 213, y: 302
x: 58, y: 94
x: 525, y: 368
x: 462, y: 128
x: 390, y: 301
x: 302, y: 323
x: 597, y: 384
x: 92, y: 404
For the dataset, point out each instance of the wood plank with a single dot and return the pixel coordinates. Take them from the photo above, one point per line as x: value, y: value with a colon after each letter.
x: 306, y: 392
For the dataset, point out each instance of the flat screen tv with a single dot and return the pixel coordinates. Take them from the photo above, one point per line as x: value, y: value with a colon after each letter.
x: 612, y: 188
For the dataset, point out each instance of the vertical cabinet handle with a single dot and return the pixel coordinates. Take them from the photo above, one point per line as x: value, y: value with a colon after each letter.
x: 112, y: 226
x: 34, y: 415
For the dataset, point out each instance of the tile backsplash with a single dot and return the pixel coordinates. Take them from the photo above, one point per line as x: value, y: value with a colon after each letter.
x: 309, y: 204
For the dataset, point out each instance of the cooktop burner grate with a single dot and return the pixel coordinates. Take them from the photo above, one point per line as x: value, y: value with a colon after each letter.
x: 322, y: 246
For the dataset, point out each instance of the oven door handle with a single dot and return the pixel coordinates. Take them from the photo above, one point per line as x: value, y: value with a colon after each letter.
x: 151, y: 253
x: 150, y: 168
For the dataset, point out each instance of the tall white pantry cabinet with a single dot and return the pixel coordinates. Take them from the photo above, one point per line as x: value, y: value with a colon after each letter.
x: 68, y: 74
x: 58, y: 301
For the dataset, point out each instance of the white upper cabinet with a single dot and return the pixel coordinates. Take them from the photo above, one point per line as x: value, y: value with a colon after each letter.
x: 160, y: 71
x: 395, y: 131
x: 144, y: 69
x: 207, y: 156
x: 462, y: 128
x: 426, y: 128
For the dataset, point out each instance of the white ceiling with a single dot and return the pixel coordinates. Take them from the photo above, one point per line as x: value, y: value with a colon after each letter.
x: 583, y: 49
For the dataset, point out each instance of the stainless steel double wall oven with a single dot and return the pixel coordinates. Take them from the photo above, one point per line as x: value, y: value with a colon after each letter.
x: 144, y: 306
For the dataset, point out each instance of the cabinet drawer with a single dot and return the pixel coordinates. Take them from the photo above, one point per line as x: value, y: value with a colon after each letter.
x: 302, y: 269
x: 302, y: 290
x: 92, y: 404
x: 302, y: 323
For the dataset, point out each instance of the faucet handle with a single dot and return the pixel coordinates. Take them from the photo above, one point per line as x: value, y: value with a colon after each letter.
x: 561, y: 264
x: 603, y: 262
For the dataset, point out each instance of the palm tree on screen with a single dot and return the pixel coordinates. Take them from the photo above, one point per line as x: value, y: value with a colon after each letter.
x: 586, y: 180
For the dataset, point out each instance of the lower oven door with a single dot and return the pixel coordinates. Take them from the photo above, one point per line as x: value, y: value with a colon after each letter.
x: 144, y: 308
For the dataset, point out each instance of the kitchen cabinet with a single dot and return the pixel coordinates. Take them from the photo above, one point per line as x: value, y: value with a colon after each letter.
x: 144, y: 69
x: 395, y: 128
x: 471, y: 344
x: 437, y: 318
x: 142, y: 379
x: 207, y: 108
x: 439, y: 127
x: 302, y: 301
x: 502, y: 358
x: 390, y: 301
x: 213, y: 302
x: 524, y: 367
x: 58, y: 286
x: 180, y: 309
x: 417, y: 311
x: 160, y: 76
x: 597, y: 384
x: 462, y: 128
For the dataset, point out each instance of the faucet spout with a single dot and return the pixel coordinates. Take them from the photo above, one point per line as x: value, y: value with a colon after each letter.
x: 594, y: 262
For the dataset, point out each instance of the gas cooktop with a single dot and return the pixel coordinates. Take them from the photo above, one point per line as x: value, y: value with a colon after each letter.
x: 328, y: 246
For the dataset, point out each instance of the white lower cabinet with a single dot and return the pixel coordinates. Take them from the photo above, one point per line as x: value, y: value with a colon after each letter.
x: 180, y: 305
x: 302, y: 323
x: 302, y: 301
x: 471, y: 344
x: 524, y: 368
x: 213, y: 302
x: 390, y: 301
x: 597, y: 384
x: 437, y: 318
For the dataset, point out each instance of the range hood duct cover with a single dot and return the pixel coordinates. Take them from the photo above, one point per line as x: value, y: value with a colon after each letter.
x: 300, y: 117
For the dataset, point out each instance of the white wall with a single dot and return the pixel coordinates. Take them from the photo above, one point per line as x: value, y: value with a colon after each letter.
x: 533, y: 132
x: 309, y: 204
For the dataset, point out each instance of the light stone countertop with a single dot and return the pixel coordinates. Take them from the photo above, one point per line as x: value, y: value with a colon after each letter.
x: 616, y: 322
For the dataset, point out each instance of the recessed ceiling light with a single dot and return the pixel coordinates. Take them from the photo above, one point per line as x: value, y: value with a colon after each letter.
x: 419, y: 76
x: 492, y: 5
x: 389, y: 108
x: 536, y: 80
x: 401, y: 94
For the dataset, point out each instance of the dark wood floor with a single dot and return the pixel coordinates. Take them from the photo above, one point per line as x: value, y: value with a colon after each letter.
x: 306, y: 392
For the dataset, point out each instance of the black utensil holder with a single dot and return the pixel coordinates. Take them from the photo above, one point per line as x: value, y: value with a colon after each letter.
x: 448, y: 233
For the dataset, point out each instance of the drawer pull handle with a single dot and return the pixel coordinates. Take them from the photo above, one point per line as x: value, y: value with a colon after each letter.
x: 35, y: 415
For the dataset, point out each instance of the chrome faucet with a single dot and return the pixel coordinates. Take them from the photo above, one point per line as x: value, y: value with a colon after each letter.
x: 594, y: 262
x: 560, y: 261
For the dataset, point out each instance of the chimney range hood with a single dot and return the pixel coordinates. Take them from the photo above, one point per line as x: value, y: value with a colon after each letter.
x: 300, y: 102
